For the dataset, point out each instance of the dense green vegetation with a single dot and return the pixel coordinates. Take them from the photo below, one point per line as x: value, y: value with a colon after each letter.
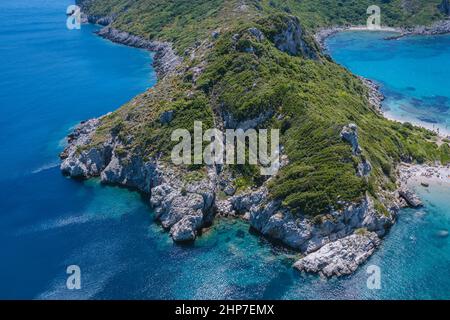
x: 184, y: 22
x: 308, y: 97
x: 394, y: 13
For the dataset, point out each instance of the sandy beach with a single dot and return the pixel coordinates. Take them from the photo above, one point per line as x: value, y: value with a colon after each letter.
x: 414, y: 174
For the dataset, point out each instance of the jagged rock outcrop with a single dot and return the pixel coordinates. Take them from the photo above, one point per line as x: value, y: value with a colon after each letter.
x: 245, y: 201
x: 257, y: 34
x: 375, y: 97
x: 364, y: 168
x: 291, y: 39
x: 306, y: 235
x: 186, y: 228
x: 350, y: 134
x: 310, y: 235
x: 410, y: 197
x: 130, y: 171
x: 182, y: 209
x: 341, y: 257
x: 80, y: 163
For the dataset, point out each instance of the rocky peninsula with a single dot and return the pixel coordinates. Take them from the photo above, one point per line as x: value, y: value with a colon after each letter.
x: 335, y: 231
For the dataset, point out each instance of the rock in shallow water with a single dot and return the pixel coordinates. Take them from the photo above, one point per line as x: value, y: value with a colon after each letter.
x: 341, y: 257
x: 411, y: 198
x: 186, y: 228
x: 443, y: 233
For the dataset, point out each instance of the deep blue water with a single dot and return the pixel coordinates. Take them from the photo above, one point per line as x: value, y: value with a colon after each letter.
x: 51, y: 78
x: 413, y: 73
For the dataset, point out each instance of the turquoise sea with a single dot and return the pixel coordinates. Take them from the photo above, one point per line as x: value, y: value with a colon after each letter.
x: 50, y: 79
x: 412, y: 71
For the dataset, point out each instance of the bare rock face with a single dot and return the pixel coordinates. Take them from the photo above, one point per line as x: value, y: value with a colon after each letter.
x: 80, y: 163
x: 291, y: 39
x: 183, y: 210
x: 244, y: 202
x: 364, y: 169
x: 301, y: 233
x: 410, y: 197
x: 186, y: 228
x: 130, y: 171
x: 257, y: 34
x: 341, y: 257
x: 350, y: 134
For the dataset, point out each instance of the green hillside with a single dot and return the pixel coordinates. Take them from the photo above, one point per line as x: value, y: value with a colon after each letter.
x: 309, y: 97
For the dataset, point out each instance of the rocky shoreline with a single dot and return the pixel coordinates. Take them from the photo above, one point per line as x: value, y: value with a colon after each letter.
x: 185, y: 208
x: 440, y: 27
x: 165, y: 59
x: 322, y: 34
x: 332, y: 245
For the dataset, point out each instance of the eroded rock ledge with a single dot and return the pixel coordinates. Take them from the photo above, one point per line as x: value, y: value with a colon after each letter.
x: 182, y: 208
x: 439, y: 27
x: 341, y: 257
